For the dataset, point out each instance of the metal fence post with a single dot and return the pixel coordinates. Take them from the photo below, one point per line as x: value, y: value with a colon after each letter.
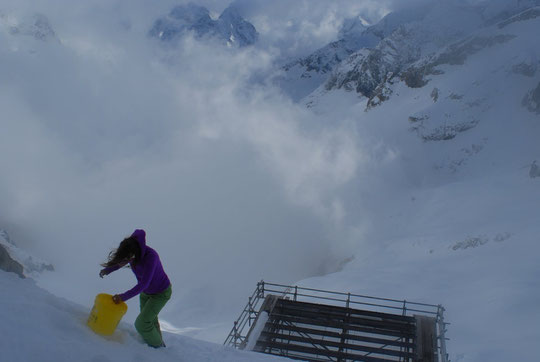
x: 235, y: 329
x: 250, y: 311
x: 442, y: 331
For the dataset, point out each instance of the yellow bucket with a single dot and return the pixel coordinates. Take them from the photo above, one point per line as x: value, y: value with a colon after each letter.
x: 105, y: 314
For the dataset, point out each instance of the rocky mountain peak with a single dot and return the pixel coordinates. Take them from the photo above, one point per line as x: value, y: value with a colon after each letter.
x: 190, y: 13
x: 237, y: 30
x: 230, y: 28
x: 352, y: 27
x: 231, y: 14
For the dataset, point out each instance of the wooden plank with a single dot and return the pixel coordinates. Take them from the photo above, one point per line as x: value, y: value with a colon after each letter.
x: 336, y: 325
x: 426, y: 339
x: 327, y: 343
x: 321, y: 352
x: 315, y: 309
x: 346, y: 336
x: 386, y: 325
x: 405, y: 328
x: 345, y: 310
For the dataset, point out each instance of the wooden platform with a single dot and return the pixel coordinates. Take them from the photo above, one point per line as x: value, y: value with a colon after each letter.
x: 319, y: 332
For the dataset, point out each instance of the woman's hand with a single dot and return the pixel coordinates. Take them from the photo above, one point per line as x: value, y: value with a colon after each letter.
x: 116, y: 299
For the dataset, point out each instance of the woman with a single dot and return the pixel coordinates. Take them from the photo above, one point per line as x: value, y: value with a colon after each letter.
x: 153, y: 285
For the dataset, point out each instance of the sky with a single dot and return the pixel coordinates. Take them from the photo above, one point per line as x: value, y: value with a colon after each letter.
x: 104, y: 131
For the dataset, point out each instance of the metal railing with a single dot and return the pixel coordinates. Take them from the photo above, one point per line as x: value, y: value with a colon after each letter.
x: 238, y: 334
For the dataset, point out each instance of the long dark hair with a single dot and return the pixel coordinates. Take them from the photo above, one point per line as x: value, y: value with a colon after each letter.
x: 128, y: 248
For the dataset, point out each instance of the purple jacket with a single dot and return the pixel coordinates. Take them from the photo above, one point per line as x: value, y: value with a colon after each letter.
x: 151, y: 278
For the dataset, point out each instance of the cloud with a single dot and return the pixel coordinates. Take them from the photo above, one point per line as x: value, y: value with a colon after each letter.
x: 105, y: 131
x: 300, y: 27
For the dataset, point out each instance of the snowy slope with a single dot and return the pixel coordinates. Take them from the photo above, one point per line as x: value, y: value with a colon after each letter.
x: 38, y: 326
x: 486, y: 279
x: 471, y: 118
x: 451, y: 207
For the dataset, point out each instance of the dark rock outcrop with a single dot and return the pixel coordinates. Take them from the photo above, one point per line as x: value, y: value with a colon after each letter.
x: 8, y: 264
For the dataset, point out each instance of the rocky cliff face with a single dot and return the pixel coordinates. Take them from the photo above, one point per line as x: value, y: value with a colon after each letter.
x: 15, y: 260
x: 235, y: 29
x: 302, y: 76
x: 8, y: 264
x: 369, y: 71
x: 182, y: 19
x: 230, y: 28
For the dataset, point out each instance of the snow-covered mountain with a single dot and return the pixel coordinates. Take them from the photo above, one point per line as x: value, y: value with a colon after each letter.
x: 301, y: 76
x: 372, y: 72
x: 452, y: 75
x: 365, y: 57
x: 230, y: 28
x: 453, y: 110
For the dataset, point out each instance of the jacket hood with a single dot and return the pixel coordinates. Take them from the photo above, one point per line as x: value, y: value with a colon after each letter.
x: 140, y: 236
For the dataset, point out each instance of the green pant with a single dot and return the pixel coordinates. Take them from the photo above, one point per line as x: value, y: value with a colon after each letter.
x: 147, y: 322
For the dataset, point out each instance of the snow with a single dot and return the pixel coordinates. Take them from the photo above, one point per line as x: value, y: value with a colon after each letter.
x: 489, y: 292
x: 435, y: 200
x: 453, y: 221
x: 256, y: 330
x: 38, y: 326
